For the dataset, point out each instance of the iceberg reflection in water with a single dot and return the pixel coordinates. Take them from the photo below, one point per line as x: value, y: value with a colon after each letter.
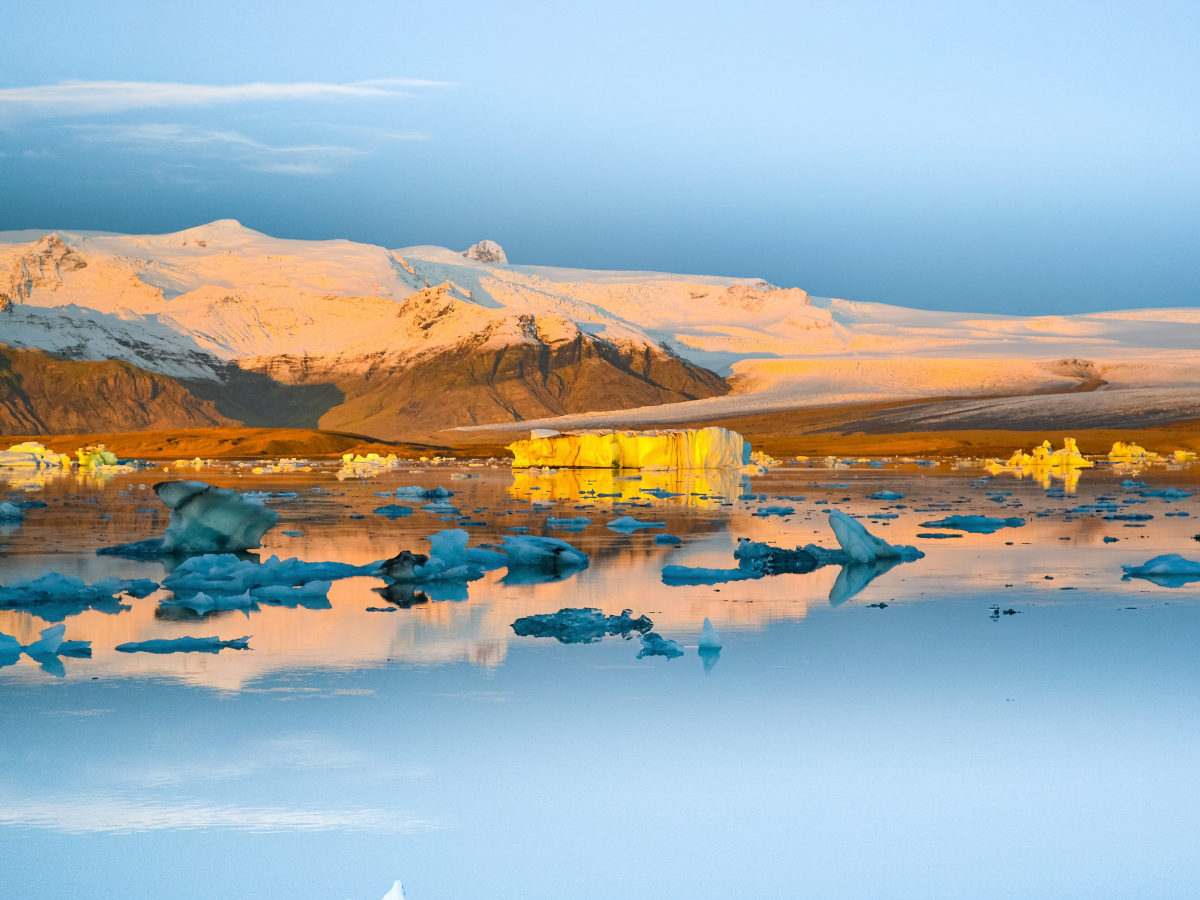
x: 452, y: 742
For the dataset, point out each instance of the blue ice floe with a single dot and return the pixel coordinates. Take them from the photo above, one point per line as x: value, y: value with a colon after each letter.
x: 886, y: 495
x: 1169, y: 570
x: 185, y: 645
x: 628, y: 524
x: 581, y: 626
x: 655, y: 645
x: 53, y: 596
x: 975, y: 524
x: 393, y: 511
x: 666, y: 539
x: 575, y: 523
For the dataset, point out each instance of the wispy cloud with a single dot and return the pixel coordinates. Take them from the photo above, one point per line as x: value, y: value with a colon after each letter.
x: 83, y: 97
x: 246, y: 152
x: 117, y: 815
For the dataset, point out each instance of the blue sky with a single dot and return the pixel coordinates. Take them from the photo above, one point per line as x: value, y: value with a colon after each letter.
x: 1034, y: 157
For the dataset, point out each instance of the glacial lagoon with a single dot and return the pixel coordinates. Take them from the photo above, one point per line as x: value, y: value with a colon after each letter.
x: 1008, y: 716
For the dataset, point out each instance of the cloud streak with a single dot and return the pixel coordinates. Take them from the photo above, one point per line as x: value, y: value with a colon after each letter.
x: 231, y: 146
x: 90, y: 97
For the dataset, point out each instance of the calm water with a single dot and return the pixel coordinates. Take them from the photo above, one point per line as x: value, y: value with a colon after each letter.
x: 927, y: 749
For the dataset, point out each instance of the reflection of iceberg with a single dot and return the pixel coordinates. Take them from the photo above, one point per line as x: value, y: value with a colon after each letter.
x: 975, y: 524
x: 581, y: 626
x: 702, y: 448
x: 52, y: 596
x: 1169, y: 570
x: 311, y: 595
x: 185, y: 645
x: 710, y: 658
x: 654, y: 645
x: 204, y: 519
x: 206, y: 603
x: 864, y: 547
x: 856, y: 576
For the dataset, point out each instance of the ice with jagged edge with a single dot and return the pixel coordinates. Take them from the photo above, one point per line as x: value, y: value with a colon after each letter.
x: 53, y: 596
x: 204, y: 519
x: 581, y: 626
x: 46, y: 650
x: 449, y: 559
x: 975, y: 524
x: 227, y: 573
x: 185, y: 645
x: 655, y: 645
x: 864, y: 547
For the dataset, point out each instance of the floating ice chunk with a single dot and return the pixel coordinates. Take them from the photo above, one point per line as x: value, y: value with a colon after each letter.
x: 293, y: 533
x: 52, y: 644
x: 185, y: 645
x: 203, y: 603
x: 311, y: 595
x: 628, y: 524
x: 975, y: 524
x: 546, y: 553
x: 1129, y: 517
x: 437, y: 493
x: 763, y: 511
x: 581, y: 626
x: 779, y: 560
x: 1129, y: 484
x: 680, y: 575
x: 449, y: 559
x: 709, y: 640
x: 440, y: 507
x: 864, y: 547
x: 53, y: 596
x: 393, y: 511
x: 654, y: 645
x: 666, y: 539
x: 226, y: 573
x: 10, y: 511
x: 1168, y: 570
x: 575, y: 523
x: 9, y: 645
x: 748, y: 549
x: 1170, y: 494
x: 701, y: 448
x: 883, y: 516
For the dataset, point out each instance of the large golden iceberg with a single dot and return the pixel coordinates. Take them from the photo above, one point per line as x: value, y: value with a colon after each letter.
x: 694, y: 448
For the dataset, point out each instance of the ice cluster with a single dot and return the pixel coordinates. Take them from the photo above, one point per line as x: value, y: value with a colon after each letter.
x: 53, y: 597
x: 654, y: 645
x: 581, y: 626
x: 32, y: 455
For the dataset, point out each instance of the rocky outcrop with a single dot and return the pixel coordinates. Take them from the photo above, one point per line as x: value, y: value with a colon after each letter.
x: 43, y: 395
x: 486, y: 252
x: 40, y: 265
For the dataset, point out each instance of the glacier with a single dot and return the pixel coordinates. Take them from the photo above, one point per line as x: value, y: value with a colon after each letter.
x: 698, y: 448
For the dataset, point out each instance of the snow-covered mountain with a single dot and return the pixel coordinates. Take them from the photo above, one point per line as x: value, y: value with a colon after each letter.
x: 400, y: 343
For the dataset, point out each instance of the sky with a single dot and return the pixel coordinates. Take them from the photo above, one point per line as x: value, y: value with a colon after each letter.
x: 1025, y: 157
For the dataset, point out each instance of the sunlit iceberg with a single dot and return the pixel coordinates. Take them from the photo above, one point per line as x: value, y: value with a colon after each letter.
x: 581, y: 626
x: 185, y: 645
x: 701, y: 448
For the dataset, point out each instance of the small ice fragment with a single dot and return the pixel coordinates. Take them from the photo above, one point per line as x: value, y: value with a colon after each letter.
x: 580, y: 626
x: 975, y: 524
x: 575, y: 523
x: 627, y: 524
x: 393, y: 511
x: 654, y: 645
x: 185, y: 645
x: 709, y: 640
x: 763, y: 511
x: 888, y: 495
x: 293, y: 533
x: 666, y: 539
x: 680, y: 575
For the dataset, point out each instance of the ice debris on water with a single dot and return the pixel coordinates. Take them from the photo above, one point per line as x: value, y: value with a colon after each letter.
x: 681, y: 575
x: 581, y: 626
x: 53, y: 596
x: 204, y: 519
x: 709, y: 639
x: 575, y: 523
x: 185, y: 645
x: 628, y: 524
x: 1170, y: 495
x: 888, y: 495
x: 205, y: 603
x: 449, y: 559
x: 393, y: 511
x: 1168, y: 570
x: 763, y: 511
x: 666, y: 539
x: 654, y: 645
x: 10, y: 511
x: 420, y: 493
x: 546, y: 553
x: 51, y: 643
x: 975, y: 524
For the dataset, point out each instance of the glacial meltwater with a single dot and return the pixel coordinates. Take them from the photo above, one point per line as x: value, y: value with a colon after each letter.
x: 1012, y: 714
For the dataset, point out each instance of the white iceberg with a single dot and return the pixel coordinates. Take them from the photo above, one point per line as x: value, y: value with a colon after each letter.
x: 654, y: 645
x: 396, y: 893
x: 700, y: 448
x: 185, y: 645
x: 628, y: 524
x: 51, y: 643
x: 709, y: 640
x: 864, y: 547
x: 545, y: 553
x: 10, y: 511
